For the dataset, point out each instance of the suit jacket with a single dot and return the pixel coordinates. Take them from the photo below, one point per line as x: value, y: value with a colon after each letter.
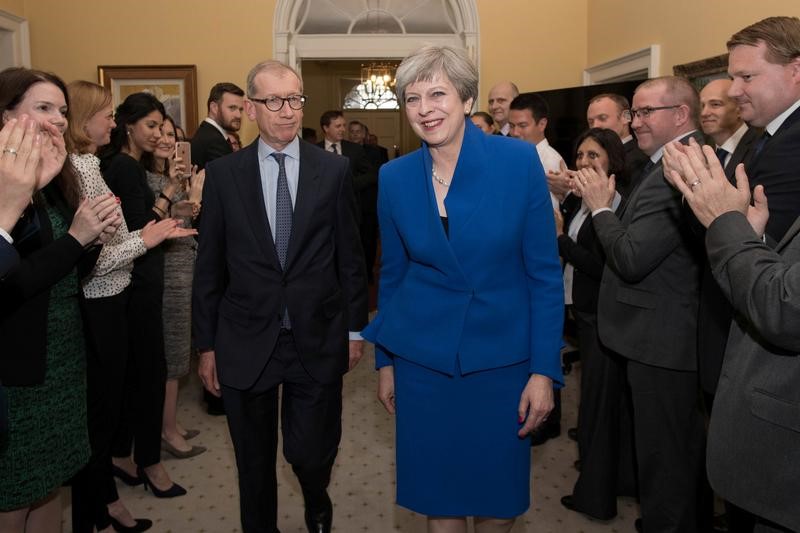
x: 587, y: 257
x: 240, y: 289
x: 754, y: 434
x: 25, y: 293
x: 491, y: 294
x: 208, y: 144
x: 648, y: 295
x: 715, y: 312
x: 635, y: 160
x: 9, y: 258
x: 364, y: 174
x: 775, y: 167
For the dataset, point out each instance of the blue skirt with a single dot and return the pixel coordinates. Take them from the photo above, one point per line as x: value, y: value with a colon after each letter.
x: 458, y: 453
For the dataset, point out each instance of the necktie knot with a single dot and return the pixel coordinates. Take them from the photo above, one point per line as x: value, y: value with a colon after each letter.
x: 279, y: 157
x: 721, y: 155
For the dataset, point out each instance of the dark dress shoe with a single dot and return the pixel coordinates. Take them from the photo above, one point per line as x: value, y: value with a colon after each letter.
x: 142, y: 524
x: 319, y: 519
x: 172, y: 492
x: 573, y: 433
x: 568, y: 502
x: 542, y: 435
x: 577, y: 465
x: 638, y: 525
x: 125, y: 477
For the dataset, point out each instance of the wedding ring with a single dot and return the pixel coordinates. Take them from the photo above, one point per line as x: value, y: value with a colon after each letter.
x: 695, y: 182
x: 12, y: 151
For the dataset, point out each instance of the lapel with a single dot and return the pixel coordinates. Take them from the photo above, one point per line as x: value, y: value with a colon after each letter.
x: 754, y: 158
x: 468, y: 185
x: 306, y: 201
x: 251, y: 196
x: 741, y: 152
x: 698, y: 136
x: 790, y: 234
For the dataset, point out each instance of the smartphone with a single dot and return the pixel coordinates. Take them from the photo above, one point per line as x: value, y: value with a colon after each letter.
x: 183, y: 150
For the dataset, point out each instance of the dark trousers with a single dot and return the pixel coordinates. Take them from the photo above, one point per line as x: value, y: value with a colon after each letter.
x: 369, y: 241
x: 143, y: 405
x: 311, y: 423
x: 668, y: 428
x: 606, y: 462
x: 106, y: 327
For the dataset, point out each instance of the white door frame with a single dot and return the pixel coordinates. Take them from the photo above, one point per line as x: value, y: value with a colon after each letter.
x: 647, y: 60
x: 16, y: 30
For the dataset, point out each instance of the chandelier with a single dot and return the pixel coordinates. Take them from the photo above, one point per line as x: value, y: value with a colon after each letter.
x: 376, y: 89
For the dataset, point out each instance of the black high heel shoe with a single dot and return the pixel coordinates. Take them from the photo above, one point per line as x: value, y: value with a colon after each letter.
x: 173, y: 491
x: 142, y: 524
x: 125, y: 477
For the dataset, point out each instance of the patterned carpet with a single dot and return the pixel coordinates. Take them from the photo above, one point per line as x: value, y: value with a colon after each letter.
x: 363, y: 481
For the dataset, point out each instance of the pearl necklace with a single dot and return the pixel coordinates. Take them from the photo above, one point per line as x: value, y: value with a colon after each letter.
x: 437, y: 178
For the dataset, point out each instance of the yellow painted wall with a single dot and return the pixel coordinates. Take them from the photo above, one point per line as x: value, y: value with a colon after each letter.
x: 224, y: 39
x: 15, y: 7
x: 538, y: 44
x: 687, y: 30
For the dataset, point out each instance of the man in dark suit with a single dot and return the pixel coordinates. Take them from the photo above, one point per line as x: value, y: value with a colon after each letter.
x: 368, y: 197
x: 279, y: 282
x: 647, y: 309
x: 365, y: 175
x: 613, y: 112
x: 754, y: 434
x: 210, y: 141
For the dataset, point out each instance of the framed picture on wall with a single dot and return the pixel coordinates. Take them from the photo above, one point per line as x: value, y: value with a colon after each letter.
x: 703, y: 71
x: 174, y: 85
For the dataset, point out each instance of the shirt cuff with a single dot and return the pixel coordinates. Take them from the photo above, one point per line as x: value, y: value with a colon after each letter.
x: 356, y: 336
x: 6, y: 236
x: 596, y: 211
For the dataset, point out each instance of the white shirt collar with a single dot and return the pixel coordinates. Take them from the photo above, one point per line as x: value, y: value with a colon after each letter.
x: 733, y: 141
x: 328, y: 145
x: 778, y: 121
x: 627, y: 139
x: 505, y: 129
x: 656, y: 157
x: 219, y: 128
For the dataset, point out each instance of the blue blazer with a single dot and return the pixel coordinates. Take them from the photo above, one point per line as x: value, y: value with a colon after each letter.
x: 491, y: 294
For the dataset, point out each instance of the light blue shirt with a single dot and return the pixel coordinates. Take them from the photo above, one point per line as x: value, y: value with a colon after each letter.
x: 268, y: 167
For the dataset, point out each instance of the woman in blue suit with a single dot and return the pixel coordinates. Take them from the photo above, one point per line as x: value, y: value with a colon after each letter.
x: 470, y: 306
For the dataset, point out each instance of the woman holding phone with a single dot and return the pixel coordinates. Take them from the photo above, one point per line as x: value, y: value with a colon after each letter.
x: 179, y: 256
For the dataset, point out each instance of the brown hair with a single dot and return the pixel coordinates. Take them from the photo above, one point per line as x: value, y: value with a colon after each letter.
x: 14, y: 85
x: 781, y: 35
x: 621, y: 101
x: 86, y: 99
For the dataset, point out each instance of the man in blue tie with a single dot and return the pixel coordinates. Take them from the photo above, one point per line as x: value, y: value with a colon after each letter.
x: 721, y: 122
x: 279, y: 299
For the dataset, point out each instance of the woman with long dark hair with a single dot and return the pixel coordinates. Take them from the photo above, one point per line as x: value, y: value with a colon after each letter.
x: 134, y: 138
x: 42, y: 364
x: 601, y: 446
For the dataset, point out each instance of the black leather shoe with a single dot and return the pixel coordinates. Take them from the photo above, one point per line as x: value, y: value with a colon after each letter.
x: 568, y: 502
x: 142, y: 524
x: 542, y: 435
x: 318, y: 520
x: 125, y: 477
x: 573, y: 433
x: 638, y: 525
x: 577, y: 465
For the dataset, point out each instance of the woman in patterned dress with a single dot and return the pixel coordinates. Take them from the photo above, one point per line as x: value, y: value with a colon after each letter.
x: 95, y: 501
x: 179, y: 256
x: 42, y: 367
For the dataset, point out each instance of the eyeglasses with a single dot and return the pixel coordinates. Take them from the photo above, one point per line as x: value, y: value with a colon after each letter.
x: 275, y: 103
x: 645, y: 112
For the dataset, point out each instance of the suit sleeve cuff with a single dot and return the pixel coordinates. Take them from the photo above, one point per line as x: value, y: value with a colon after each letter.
x: 6, y: 236
x: 596, y: 211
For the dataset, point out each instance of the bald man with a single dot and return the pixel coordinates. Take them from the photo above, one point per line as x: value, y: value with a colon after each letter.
x: 500, y: 97
x: 722, y: 123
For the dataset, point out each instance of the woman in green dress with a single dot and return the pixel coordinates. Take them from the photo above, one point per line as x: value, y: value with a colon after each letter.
x: 42, y: 365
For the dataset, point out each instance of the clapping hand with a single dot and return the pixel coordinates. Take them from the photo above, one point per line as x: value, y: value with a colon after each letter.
x: 20, y: 150
x: 560, y: 181
x: 595, y: 187
x: 93, y: 217
x: 53, y: 154
x: 697, y: 173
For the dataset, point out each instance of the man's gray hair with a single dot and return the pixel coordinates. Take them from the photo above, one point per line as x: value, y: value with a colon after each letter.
x: 270, y: 65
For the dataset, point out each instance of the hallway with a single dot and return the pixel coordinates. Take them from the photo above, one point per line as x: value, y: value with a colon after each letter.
x: 362, y: 488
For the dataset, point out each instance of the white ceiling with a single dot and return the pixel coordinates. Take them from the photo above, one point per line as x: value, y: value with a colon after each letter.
x: 376, y: 17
